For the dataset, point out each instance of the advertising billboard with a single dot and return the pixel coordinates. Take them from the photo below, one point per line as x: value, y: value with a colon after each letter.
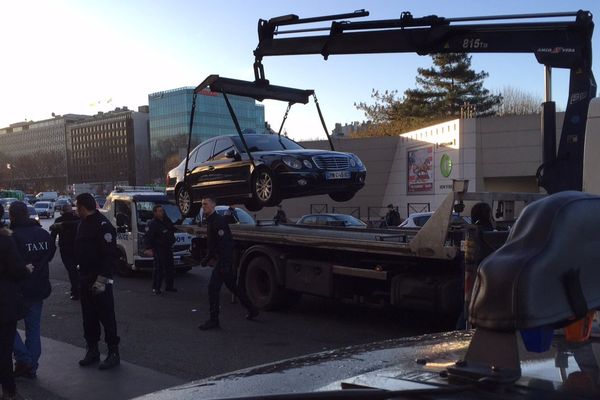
x: 420, y: 170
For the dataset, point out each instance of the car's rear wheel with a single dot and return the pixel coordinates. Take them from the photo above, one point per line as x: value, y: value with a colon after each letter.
x: 264, y: 188
x: 341, y: 196
x: 186, y: 204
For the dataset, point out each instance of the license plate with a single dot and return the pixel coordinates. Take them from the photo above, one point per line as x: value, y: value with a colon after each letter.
x: 337, y: 175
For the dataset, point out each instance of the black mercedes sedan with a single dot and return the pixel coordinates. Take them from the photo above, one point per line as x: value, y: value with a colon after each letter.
x: 277, y: 168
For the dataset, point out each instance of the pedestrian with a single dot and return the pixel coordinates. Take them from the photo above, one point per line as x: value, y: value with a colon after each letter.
x: 96, y: 252
x: 392, y: 218
x: 159, y: 241
x: 36, y: 247
x: 221, y: 253
x: 65, y: 227
x: 12, y: 306
x: 280, y: 217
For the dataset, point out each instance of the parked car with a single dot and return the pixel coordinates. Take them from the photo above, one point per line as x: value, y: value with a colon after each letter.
x: 32, y: 214
x: 47, y: 196
x: 417, y: 220
x: 61, y: 202
x: 100, y: 200
x: 342, y: 220
x: 5, y: 201
x: 29, y: 199
x: 221, y: 167
x: 240, y: 216
x: 45, y: 209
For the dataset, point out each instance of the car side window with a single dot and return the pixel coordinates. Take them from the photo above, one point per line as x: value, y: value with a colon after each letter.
x: 310, y: 220
x: 222, y: 146
x: 323, y: 220
x: 204, y: 152
x: 420, y: 221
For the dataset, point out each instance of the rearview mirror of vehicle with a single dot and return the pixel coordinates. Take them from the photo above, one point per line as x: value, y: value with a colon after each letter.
x: 233, y: 155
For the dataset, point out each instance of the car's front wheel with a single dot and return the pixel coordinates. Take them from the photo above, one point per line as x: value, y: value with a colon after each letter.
x: 186, y: 204
x: 264, y: 189
x: 342, y: 196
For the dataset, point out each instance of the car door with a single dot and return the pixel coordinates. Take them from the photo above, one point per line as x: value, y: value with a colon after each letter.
x: 230, y: 174
x: 199, y: 174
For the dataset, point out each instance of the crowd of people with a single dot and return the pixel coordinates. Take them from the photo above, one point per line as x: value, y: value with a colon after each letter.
x: 87, y: 246
x: 87, y: 243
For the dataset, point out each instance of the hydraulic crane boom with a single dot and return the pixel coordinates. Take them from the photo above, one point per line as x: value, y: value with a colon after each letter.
x: 555, y: 44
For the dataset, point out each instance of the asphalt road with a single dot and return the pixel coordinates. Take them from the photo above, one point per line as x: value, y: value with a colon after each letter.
x: 160, y: 332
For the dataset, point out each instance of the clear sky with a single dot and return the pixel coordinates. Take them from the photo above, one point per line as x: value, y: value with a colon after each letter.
x: 69, y: 56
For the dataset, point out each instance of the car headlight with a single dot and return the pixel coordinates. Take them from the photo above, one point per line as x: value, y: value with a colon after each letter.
x: 307, y: 164
x: 292, y: 162
x: 358, y: 161
x: 352, y: 162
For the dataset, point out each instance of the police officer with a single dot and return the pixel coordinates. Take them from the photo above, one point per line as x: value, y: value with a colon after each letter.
x: 220, y: 251
x: 12, y: 306
x: 392, y: 218
x: 95, y: 252
x: 65, y: 227
x: 159, y: 241
x: 36, y: 248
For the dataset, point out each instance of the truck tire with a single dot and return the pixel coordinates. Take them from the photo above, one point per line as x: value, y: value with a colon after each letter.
x: 261, y: 285
x: 123, y: 268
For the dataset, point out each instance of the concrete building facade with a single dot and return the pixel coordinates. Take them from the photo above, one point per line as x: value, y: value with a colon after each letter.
x: 414, y: 171
x: 110, y: 148
x: 27, y: 145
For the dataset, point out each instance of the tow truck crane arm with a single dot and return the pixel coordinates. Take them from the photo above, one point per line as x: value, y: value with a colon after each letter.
x: 555, y: 44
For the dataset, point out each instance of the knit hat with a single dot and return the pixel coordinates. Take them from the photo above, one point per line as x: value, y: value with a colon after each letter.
x: 18, y: 212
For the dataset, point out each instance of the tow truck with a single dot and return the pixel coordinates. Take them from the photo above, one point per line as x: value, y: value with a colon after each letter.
x: 533, y: 299
x: 416, y: 270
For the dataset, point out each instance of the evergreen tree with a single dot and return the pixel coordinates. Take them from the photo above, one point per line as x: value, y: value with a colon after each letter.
x: 441, y: 92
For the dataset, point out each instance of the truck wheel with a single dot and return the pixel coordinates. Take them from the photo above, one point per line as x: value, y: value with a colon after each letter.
x: 340, y: 197
x: 123, y: 268
x: 186, y: 204
x: 261, y: 284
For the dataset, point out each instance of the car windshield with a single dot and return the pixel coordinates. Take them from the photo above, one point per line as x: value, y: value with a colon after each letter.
x: 40, y: 204
x: 266, y: 143
x: 144, y: 212
x: 349, y: 220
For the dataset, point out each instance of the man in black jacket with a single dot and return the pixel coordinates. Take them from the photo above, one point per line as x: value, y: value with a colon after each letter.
x: 36, y: 248
x: 65, y: 227
x: 221, y: 252
x: 159, y: 241
x: 12, y: 306
x: 95, y: 252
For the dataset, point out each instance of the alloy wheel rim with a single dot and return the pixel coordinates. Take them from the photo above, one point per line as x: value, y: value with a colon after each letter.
x: 184, y: 201
x: 264, y: 186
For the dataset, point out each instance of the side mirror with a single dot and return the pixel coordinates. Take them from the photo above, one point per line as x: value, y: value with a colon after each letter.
x: 233, y: 155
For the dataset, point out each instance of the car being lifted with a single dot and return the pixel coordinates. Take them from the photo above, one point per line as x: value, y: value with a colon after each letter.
x: 221, y: 167
x: 260, y: 170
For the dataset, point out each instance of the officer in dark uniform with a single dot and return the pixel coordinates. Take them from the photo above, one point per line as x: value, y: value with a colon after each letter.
x: 221, y: 250
x: 65, y: 227
x: 95, y: 252
x: 159, y: 241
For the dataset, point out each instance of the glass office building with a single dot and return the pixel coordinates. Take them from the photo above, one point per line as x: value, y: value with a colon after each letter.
x: 170, y: 117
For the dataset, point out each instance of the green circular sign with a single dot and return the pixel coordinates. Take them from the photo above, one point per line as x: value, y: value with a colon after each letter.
x: 446, y: 165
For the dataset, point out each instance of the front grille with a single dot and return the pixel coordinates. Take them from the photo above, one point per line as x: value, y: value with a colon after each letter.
x: 331, y: 163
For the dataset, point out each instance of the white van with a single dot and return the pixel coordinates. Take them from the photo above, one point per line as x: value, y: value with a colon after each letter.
x: 129, y: 209
x: 46, y: 196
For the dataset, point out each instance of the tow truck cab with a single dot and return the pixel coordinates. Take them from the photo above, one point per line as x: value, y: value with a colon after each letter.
x: 129, y: 209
